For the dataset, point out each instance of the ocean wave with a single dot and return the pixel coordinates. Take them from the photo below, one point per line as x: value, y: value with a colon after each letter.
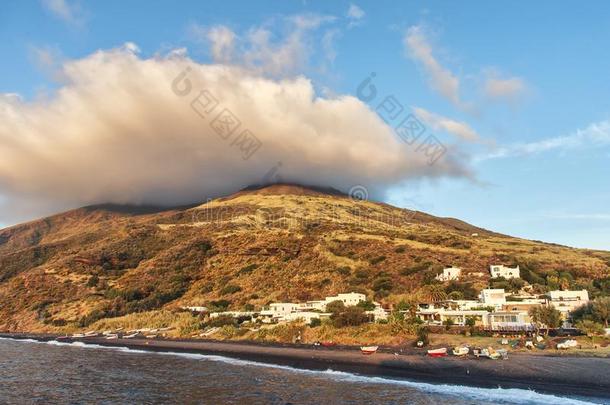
x: 496, y: 395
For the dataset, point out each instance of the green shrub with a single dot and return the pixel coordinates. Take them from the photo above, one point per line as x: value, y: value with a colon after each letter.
x: 344, y: 271
x: 383, y: 283
x: 366, y: 305
x: 400, y: 249
x: 222, y: 320
x: 230, y: 289
x: 93, y: 281
x: 248, y: 269
x: 377, y: 260
x: 219, y: 306
x: 315, y: 322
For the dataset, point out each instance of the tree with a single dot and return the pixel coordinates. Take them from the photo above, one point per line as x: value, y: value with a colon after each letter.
x: 335, y: 307
x: 448, y: 323
x: 471, y: 322
x: 590, y: 328
x: 435, y: 293
x: 408, y: 304
x: 545, y: 315
x: 600, y: 310
x: 423, y: 335
x: 366, y: 305
x: 350, y: 316
x: 456, y: 295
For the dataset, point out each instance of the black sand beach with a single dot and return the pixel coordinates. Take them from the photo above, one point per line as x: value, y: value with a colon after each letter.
x: 565, y: 375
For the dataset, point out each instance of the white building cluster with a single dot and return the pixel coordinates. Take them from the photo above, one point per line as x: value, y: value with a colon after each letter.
x: 493, y: 311
x: 307, y: 311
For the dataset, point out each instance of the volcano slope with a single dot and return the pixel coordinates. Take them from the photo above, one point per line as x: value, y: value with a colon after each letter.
x: 274, y: 243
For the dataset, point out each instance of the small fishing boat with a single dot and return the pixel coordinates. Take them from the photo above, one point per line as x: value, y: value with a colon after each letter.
x: 112, y: 336
x: 328, y: 343
x: 503, y: 353
x: 369, y: 349
x: 78, y: 335
x: 461, y: 351
x: 567, y: 344
x: 130, y: 336
x: 91, y: 334
x: 151, y: 336
x: 490, y: 353
x: 442, y: 352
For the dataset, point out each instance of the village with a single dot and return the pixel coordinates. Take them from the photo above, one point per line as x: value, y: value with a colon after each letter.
x: 495, y: 310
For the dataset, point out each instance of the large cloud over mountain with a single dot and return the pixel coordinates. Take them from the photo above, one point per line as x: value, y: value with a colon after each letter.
x: 124, y: 129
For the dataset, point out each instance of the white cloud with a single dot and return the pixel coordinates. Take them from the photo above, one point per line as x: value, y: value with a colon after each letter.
x: 595, y: 135
x: 506, y: 89
x: 355, y: 15
x: 441, y: 78
x: 261, y: 49
x: 69, y: 12
x: 583, y: 217
x: 116, y: 132
x: 222, y: 41
x: 440, y: 123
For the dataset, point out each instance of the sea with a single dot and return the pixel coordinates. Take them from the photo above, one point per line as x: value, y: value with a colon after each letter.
x: 33, y: 372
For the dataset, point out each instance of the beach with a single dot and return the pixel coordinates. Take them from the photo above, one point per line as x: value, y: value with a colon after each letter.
x: 562, y: 375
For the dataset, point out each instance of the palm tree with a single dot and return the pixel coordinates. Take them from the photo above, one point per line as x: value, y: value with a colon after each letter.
x: 435, y: 293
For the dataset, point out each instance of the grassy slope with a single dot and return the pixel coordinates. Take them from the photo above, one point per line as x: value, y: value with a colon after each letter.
x: 273, y: 244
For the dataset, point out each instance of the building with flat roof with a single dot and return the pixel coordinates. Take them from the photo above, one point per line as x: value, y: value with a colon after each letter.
x: 567, y: 301
x: 449, y: 273
x: 499, y: 270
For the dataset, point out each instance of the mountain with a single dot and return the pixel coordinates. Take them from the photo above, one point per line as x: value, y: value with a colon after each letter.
x: 262, y: 244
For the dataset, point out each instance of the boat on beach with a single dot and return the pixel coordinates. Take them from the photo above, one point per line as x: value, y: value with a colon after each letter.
x: 78, y: 335
x: 493, y: 354
x: 567, y: 344
x: 369, y: 349
x: 130, y: 336
x: 441, y: 352
x: 112, y: 336
x: 460, y: 351
x: 328, y: 343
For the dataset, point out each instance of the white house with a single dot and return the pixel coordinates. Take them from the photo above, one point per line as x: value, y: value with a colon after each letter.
x: 313, y: 306
x: 348, y: 299
x: 509, y: 320
x: 305, y: 316
x: 499, y: 270
x: 567, y: 301
x: 436, y: 316
x: 450, y: 273
x: 495, y: 297
x: 279, y: 310
x: 379, y: 313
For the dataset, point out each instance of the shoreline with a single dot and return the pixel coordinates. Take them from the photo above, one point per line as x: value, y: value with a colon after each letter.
x: 566, y: 376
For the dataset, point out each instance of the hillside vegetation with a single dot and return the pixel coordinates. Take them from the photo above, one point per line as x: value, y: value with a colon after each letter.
x: 278, y: 243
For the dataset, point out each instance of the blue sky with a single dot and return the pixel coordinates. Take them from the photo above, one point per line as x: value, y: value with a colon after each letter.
x: 531, y: 85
